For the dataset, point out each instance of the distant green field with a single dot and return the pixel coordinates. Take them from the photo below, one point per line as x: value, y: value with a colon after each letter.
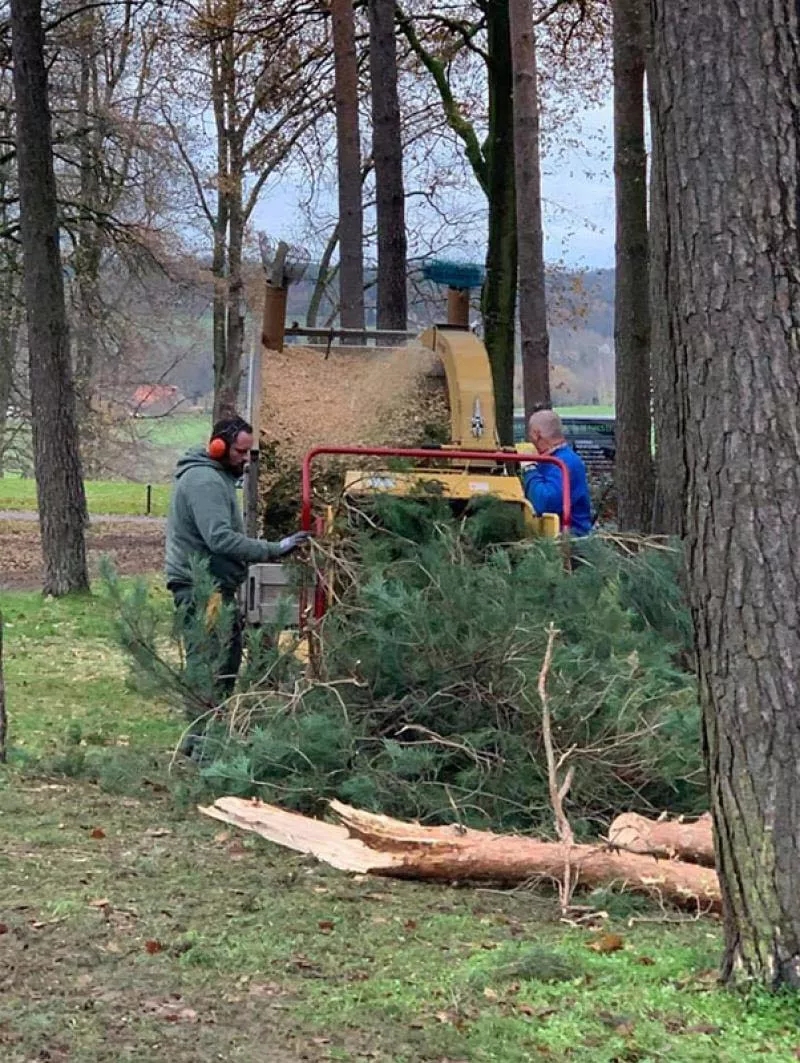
x: 116, y: 498
x: 179, y: 430
x: 585, y: 411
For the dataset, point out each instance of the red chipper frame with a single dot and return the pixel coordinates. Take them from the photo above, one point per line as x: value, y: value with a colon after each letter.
x: 418, y: 454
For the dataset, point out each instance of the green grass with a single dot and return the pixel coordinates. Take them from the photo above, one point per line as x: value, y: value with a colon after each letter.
x: 179, y: 430
x: 588, y: 411
x: 111, y: 497
x: 138, y: 929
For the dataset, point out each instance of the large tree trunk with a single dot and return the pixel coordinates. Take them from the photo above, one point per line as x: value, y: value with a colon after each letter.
x: 669, y: 504
x: 500, y: 287
x: 351, y: 221
x: 370, y: 844
x: 633, y: 466
x: 59, y: 480
x: 387, y: 156
x: 534, y: 338
x: 727, y: 93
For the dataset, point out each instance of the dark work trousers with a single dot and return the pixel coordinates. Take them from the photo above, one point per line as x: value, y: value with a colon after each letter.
x: 226, y: 678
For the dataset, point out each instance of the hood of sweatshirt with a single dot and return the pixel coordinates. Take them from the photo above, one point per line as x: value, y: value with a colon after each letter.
x: 198, y: 456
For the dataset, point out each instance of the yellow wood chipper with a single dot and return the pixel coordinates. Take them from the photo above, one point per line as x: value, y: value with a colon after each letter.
x: 471, y: 465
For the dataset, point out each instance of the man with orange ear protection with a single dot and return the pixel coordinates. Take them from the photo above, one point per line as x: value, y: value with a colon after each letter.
x: 205, y: 521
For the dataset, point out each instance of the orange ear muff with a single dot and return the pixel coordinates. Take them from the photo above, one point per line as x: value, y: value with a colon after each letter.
x: 217, y: 448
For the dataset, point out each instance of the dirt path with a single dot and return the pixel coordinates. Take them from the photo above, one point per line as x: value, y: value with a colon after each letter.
x: 31, y: 516
x: 135, y: 544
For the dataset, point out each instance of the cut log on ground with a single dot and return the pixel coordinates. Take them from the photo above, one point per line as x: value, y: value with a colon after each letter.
x: 370, y: 844
x: 668, y: 838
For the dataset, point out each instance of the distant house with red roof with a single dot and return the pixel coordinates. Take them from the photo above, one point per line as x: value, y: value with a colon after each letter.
x: 149, y: 400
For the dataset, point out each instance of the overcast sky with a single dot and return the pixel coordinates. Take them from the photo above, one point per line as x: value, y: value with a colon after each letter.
x: 578, y: 189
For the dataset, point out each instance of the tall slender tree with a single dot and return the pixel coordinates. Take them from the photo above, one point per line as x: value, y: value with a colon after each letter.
x: 499, y: 297
x: 387, y: 155
x: 348, y: 145
x: 59, y: 479
x: 534, y: 337
x: 634, y: 467
x: 726, y: 89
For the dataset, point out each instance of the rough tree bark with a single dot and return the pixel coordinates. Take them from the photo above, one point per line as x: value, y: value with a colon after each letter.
x: 499, y: 296
x: 348, y: 146
x: 387, y: 155
x: 59, y: 479
x: 727, y: 94
x: 633, y: 468
x: 534, y: 337
x: 665, y: 370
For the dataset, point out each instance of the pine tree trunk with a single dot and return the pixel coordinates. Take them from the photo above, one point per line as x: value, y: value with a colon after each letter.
x: 234, y: 344
x: 727, y: 94
x: 633, y: 465
x: 669, y: 503
x: 500, y: 288
x: 534, y: 337
x: 222, y: 86
x: 351, y: 223
x: 387, y: 155
x: 59, y: 479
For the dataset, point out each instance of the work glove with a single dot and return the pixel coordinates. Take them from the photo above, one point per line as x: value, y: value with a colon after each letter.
x: 292, y: 542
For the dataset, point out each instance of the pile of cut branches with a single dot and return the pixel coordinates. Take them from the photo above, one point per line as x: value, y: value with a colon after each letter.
x: 424, y: 702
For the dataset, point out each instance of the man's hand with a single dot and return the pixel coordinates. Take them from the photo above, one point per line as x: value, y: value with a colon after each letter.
x: 292, y: 542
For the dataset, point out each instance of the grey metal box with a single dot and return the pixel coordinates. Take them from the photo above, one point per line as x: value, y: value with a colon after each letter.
x: 266, y: 585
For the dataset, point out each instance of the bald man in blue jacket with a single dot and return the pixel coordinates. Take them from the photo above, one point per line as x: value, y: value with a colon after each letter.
x: 543, y: 481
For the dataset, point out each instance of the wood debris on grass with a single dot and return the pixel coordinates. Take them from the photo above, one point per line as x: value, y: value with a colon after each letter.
x: 366, y: 843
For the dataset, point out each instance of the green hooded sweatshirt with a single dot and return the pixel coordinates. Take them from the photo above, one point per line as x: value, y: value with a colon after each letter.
x: 205, y: 521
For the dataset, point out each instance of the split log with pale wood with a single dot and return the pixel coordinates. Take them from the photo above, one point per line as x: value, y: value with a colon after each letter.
x: 666, y: 838
x: 366, y: 843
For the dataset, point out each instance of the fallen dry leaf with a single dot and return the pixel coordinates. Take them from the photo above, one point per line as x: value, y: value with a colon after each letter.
x: 153, y: 946
x: 100, y: 902
x: 265, y: 989
x: 410, y: 924
x: 222, y: 836
x: 607, y: 943
x: 320, y: 1040
x: 490, y: 994
x: 158, y: 832
x: 97, y: 833
x: 645, y: 961
x: 170, y: 1011
x: 326, y: 925
x: 3, y: 928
